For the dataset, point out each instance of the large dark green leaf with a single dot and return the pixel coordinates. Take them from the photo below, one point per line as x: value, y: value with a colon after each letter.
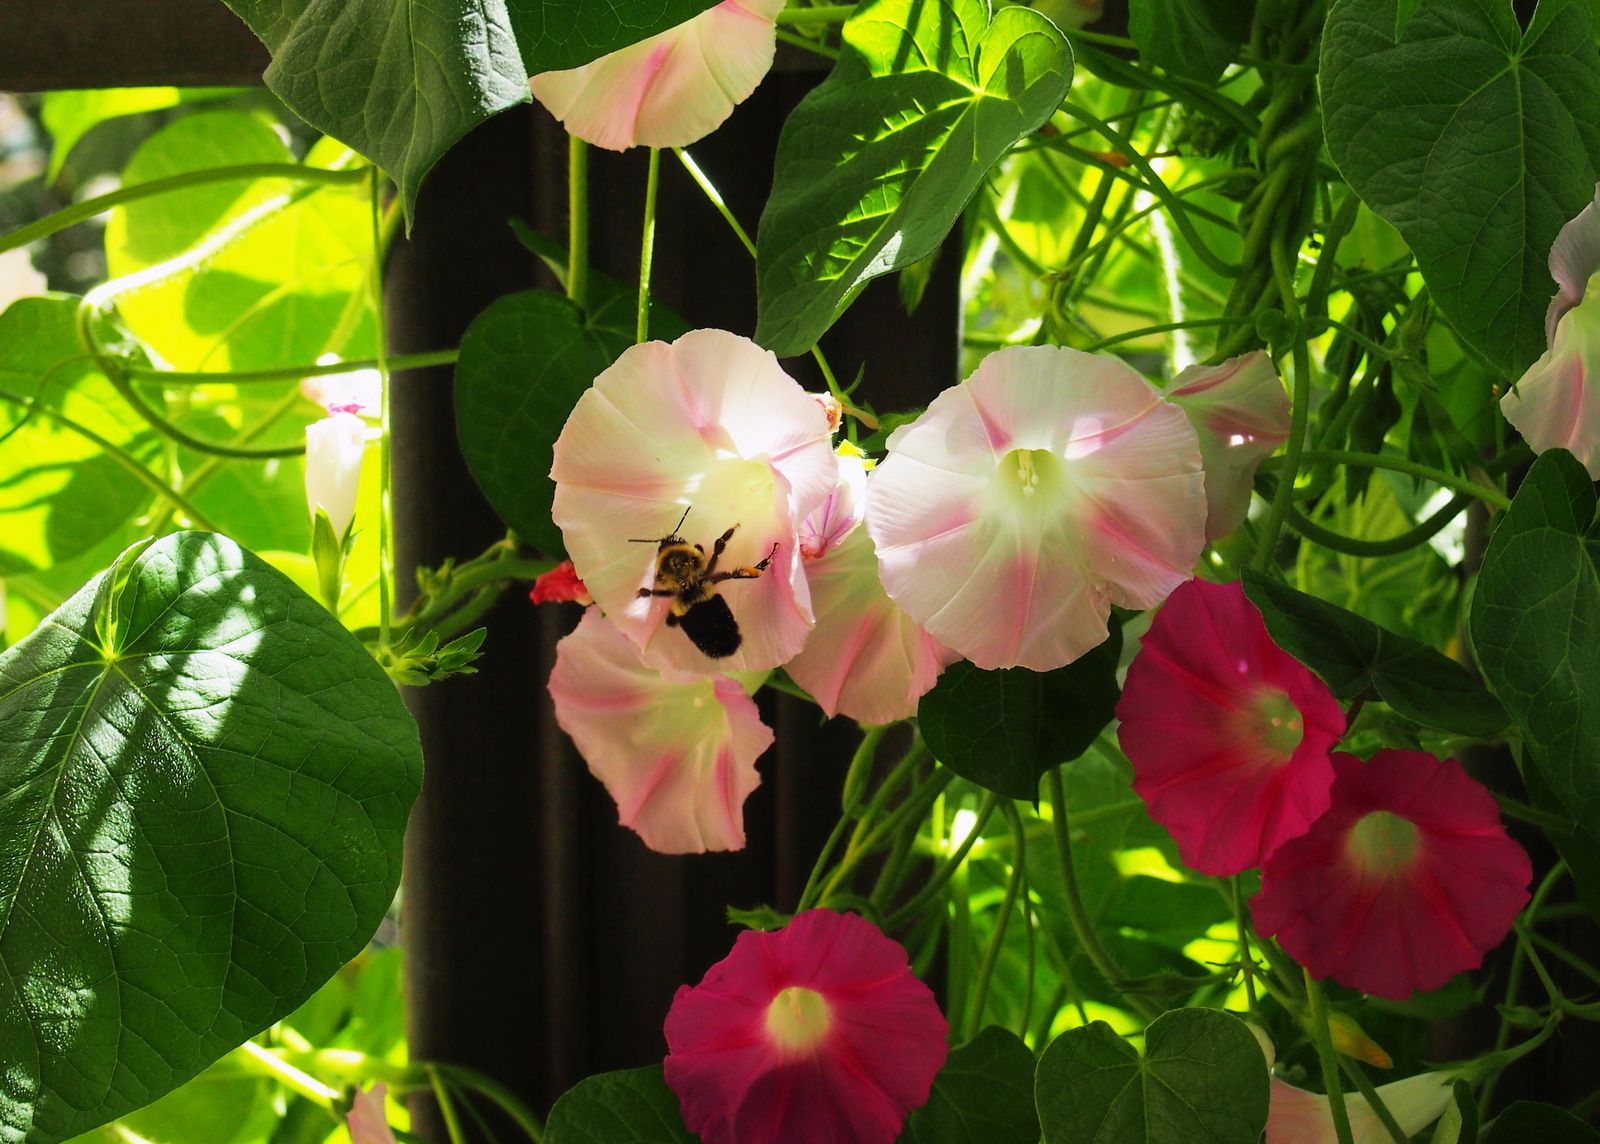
x: 1202, y: 1077
x: 633, y: 1106
x: 205, y: 783
x: 983, y: 1095
x: 1527, y: 1122
x: 398, y: 80
x: 402, y: 80
x: 524, y: 363
x: 1477, y: 141
x: 1536, y: 628
x: 1004, y: 729
x: 1193, y: 38
x: 874, y: 166
x: 1354, y: 655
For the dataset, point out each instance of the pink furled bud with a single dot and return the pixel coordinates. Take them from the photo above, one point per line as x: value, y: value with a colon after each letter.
x: 560, y: 585
x: 1024, y: 502
x: 333, y: 468
x: 818, y: 1032
x: 1240, y: 413
x: 833, y: 408
x: 671, y: 89
x: 366, y: 1119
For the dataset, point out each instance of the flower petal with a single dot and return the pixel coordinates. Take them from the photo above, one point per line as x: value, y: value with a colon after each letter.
x: 672, y: 89
x: 677, y: 752
x: 1574, y: 259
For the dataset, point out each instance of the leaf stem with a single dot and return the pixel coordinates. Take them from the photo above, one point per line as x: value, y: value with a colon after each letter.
x: 821, y: 14
x: 385, y: 449
x: 267, y: 1063
x: 1397, y: 465
x: 397, y: 364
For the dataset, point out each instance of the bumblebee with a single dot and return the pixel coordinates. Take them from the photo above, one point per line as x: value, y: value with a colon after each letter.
x: 690, y: 578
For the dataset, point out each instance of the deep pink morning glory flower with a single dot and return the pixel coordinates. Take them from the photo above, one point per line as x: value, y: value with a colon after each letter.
x: 817, y: 1033
x: 1407, y: 880
x: 676, y: 750
x: 1025, y: 501
x: 1228, y: 734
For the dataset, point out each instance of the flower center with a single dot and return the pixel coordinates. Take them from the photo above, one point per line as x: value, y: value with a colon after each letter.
x: 1382, y: 842
x: 1027, y: 478
x: 1279, y: 723
x: 798, y: 1019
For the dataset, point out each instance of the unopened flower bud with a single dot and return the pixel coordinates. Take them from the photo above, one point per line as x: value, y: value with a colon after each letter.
x: 333, y: 468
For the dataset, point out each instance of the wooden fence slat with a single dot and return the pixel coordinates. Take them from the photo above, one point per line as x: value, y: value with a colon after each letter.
x: 48, y: 45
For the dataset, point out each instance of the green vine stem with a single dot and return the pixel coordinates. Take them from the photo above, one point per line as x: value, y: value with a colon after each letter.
x: 1322, y: 1035
x: 821, y: 14
x: 1359, y: 1078
x: 647, y: 244
x: 397, y: 364
x: 1077, y: 914
x: 89, y: 208
x: 997, y: 940
x: 578, y: 221
x: 121, y: 456
x: 1410, y: 468
x: 934, y: 886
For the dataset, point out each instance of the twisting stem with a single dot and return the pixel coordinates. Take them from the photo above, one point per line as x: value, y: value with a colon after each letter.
x: 385, y: 523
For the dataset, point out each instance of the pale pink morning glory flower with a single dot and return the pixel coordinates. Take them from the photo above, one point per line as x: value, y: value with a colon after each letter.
x: 672, y: 89
x: 1296, y: 1116
x: 1240, y: 413
x: 711, y: 424
x: 677, y: 751
x: 866, y: 658
x: 1026, y: 501
x: 818, y: 1033
x: 366, y: 1119
x: 333, y: 467
x: 1556, y: 403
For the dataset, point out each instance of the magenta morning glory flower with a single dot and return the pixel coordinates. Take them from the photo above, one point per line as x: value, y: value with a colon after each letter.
x: 817, y: 1033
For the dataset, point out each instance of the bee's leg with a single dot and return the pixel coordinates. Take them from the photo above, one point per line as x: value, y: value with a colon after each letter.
x: 716, y: 549
x: 642, y: 592
x: 748, y: 572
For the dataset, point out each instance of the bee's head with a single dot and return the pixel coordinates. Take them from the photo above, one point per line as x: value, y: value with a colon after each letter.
x: 679, y: 559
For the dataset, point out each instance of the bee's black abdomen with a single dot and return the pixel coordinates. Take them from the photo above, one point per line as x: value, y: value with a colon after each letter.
x: 711, y: 627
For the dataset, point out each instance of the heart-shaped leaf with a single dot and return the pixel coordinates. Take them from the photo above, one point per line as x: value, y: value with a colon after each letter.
x: 983, y: 1095
x: 524, y: 363
x: 874, y: 167
x: 1202, y: 1077
x: 1354, y: 655
x: 633, y: 1106
x: 1476, y: 140
x: 1004, y: 729
x: 1535, y: 627
x: 204, y: 782
x: 1528, y: 1122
